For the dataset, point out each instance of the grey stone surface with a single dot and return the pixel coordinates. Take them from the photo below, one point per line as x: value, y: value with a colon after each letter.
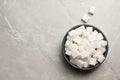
x: 31, y: 32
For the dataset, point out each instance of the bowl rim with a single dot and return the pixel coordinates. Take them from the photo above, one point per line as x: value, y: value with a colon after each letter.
x: 66, y: 56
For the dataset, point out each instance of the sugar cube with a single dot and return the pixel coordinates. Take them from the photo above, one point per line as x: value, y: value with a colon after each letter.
x: 87, y: 47
x: 92, y: 52
x: 99, y: 36
x: 101, y: 58
x: 69, y: 38
x: 80, y: 30
x: 72, y: 33
x: 77, y: 40
x: 84, y: 41
x: 101, y: 50
x: 92, y: 61
x: 91, y: 10
x: 86, y: 64
x: 92, y: 38
x: 95, y: 44
x: 80, y: 63
x: 84, y: 54
x: 67, y: 52
x: 72, y: 47
x: 103, y: 43
x: 75, y: 54
x: 85, y: 18
x: 86, y: 33
x: 68, y: 42
x: 80, y: 49
x: 89, y: 29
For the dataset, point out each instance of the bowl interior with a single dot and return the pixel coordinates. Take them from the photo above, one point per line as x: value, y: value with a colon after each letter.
x: 67, y: 57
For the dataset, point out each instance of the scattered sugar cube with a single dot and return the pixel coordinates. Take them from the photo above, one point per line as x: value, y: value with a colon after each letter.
x: 77, y: 40
x: 85, y: 18
x: 99, y: 36
x: 92, y: 61
x: 80, y: 63
x: 91, y: 10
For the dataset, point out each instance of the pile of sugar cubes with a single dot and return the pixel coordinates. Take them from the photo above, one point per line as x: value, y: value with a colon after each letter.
x: 85, y: 47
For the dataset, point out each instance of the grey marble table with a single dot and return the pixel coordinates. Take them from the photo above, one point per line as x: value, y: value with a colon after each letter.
x: 31, y: 32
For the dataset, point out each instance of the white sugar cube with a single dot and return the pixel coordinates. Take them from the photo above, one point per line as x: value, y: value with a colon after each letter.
x: 94, y: 33
x: 86, y: 33
x: 103, y: 43
x: 80, y: 30
x: 77, y: 40
x: 80, y: 63
x: 101, y: 58
x: 72, y: 33
x: 84, y: 41
x: 99, y: 36
x: 84, y: 54
x: 89, y: 29
x: 67, y: 52
x: 72, y: 47
x: 80, y: 49
x: 101, y: 50
x: 92, y: 52
x: 73, y: 61
x: 95, y: 44
x: 86, y: 64
x: 87, y: 47
x: 96, y: 55
x: 68, y: 42
x: 85, y: 18
x: 92, y: 38
x: 75, y: 54
x: 69, y: 38
x: 92, y: 61
x: 91, y: 10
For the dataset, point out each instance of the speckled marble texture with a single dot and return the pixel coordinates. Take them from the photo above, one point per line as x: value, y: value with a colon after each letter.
x: 31, y: 32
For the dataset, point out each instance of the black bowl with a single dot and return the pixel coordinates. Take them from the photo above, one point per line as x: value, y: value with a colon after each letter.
x: 67, y: 57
